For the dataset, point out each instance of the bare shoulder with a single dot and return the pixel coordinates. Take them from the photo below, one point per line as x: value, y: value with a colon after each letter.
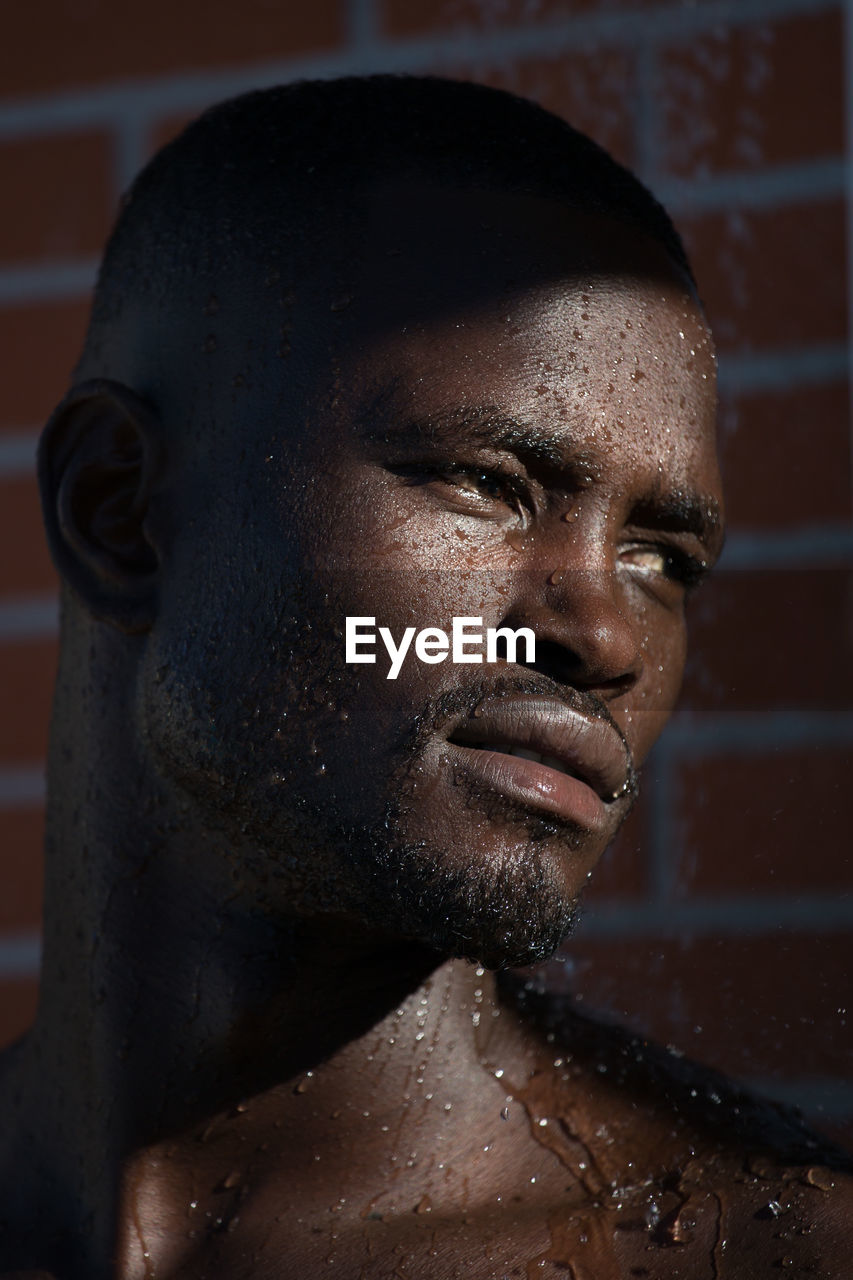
x: 688, y: 1174
x: 795, y: 1218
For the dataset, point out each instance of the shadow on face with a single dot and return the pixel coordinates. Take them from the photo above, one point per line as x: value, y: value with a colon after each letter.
x: 495, y: 407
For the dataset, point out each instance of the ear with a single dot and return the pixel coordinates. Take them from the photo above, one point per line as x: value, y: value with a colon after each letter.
x: 98, y: 459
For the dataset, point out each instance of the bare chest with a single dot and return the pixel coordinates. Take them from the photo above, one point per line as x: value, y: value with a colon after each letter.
x: 698, y: 1234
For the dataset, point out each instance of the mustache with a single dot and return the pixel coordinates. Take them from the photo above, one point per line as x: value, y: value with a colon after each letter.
x: 453, y: 704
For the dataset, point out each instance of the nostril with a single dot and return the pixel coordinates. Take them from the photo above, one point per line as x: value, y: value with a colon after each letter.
x: 555, y: 661
x: 560, y: 663
x: 502, y: 651
x: 552, y: 659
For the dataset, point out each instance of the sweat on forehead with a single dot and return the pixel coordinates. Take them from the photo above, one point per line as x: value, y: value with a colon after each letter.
x: 266, y: 187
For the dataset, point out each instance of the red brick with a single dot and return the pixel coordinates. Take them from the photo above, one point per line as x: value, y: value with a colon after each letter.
x: 101, y: 41
x: 771, y: 638
x: 743, y: 98
x: 786, y: 457
x: 41, y: 343
x: 30, y: 568
x: 63, y: 197
x: 772, y: 277
x: 415, y: 17
x: 18, y: 999
x: 27, y: 674
x: 596, y: 92
x: 764, y: 1007
x: 21, y: 869
x: 774, y: 824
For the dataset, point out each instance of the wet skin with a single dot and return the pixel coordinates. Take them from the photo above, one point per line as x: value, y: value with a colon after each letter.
x: 405, y: 506
x: 511, y: 418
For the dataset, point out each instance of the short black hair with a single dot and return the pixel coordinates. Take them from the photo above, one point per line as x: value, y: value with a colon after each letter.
x: 280, y: 167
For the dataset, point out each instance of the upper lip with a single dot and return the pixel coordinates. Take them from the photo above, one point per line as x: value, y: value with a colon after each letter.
x: 585, y: 745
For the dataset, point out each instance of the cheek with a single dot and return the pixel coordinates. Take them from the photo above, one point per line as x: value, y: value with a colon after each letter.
x: 233, y: 651
x: 418, y: 570
x: 650, y: 703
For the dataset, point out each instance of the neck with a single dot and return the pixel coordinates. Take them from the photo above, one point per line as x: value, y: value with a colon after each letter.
x: 172, y: 999
x: 164, y: 1012
x: 361, y: 1132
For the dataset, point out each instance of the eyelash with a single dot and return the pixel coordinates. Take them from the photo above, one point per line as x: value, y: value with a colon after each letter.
x: 681, y: 567
x: 513, y: 489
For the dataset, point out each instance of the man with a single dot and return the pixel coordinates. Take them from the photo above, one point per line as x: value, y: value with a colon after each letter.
x: 379, y: 353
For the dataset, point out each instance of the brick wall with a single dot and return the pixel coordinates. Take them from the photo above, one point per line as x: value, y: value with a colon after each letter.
x: 723, y: 920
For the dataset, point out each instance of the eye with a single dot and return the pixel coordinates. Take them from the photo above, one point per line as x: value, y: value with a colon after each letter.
x: 668, y: 564
x: 473, y: 488
x: 648, y: 559
x: 482, y: 483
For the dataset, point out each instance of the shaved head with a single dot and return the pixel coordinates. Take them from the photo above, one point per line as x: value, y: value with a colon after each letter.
x: 275, y: 183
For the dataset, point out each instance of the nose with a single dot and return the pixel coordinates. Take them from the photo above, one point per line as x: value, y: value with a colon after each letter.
x: 584, y: 635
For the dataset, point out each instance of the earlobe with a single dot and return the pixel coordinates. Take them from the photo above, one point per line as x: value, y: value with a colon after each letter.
x: 98, y: 462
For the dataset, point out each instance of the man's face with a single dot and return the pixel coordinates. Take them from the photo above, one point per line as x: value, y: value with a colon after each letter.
x: 516, y: 423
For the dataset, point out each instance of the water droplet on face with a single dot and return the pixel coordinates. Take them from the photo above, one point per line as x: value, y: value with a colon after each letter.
x: 556, y: 577
x: 821, y: 1178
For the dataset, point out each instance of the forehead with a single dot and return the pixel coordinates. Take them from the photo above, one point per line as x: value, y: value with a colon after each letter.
x: 593, y: 354
x: 435, y: 264
x: 580, y: 326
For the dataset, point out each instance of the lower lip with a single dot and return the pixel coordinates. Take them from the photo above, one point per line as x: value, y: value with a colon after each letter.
x: 535, y: 785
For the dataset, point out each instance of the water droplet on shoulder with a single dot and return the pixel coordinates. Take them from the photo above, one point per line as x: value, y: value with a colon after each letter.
x: 820, y: 1178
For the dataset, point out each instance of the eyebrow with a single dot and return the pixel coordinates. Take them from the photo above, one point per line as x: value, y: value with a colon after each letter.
x: 677, y: 509
x: 683, y: 511
x: 482, y: 424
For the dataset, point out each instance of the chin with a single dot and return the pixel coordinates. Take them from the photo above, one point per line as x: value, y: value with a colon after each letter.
x: 530, y: 936
x: 512, y: 950
x: 504, y: 912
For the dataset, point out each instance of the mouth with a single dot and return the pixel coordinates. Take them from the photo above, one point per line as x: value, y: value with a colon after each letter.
x: 543, y: 754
